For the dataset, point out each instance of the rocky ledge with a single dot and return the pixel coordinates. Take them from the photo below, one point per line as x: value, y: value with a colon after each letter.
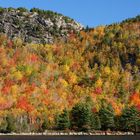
x: 37, y: 26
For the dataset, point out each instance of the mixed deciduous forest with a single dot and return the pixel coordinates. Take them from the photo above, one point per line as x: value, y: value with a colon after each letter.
x: 91, y: 81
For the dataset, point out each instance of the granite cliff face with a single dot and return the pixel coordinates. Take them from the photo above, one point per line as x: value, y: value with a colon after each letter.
x: 36, y: 25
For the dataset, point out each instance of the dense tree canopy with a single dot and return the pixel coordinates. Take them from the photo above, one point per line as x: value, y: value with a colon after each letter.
x: 37, y: 82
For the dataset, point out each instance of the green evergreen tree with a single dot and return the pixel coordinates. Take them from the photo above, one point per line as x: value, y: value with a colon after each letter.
x: 130, y: 119
x: 81, y: 117
x: 63, y: 120
x: 106, y: 115
x: 95, y: 121
x: 44, y: 125
x: 117, y: 123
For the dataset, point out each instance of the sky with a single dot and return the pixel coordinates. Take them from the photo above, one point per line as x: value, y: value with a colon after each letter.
x: 90, y: 13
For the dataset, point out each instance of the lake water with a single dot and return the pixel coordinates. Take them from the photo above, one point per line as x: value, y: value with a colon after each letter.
x: 69, y: 137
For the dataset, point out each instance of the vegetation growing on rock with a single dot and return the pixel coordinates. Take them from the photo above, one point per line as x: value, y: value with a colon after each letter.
x: 36, y: 25
x: 90, y: 82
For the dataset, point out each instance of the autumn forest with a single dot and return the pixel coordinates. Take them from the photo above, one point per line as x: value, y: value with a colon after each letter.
x: 89, y: 81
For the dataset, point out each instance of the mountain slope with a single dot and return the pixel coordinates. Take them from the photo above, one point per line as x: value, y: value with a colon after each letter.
x: 94, y: 75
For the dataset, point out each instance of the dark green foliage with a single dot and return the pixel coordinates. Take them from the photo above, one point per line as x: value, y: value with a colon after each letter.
x: 44, y: 125
x: 130, y: 119
x: 10, y: 123
x: 87, y: 28
x: 22, y: 9
x: 1, y: 10
x: 81, y: 115
x: 106, y: 115
x: 10, y: 9
x: 63, y: 120
x: 131, y: 20
x: 44, y: 12
x: 122, y: 93
x: 95, y: 121
x: 35, y: 10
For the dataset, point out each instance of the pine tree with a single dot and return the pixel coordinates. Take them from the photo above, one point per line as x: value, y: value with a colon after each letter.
x: 106, y: 115
x: 130, y: 119
x: 117, y: 123
x: 81, y: 115
x: 95, y: 121
x: 44, y: 125
x: 63, y: 121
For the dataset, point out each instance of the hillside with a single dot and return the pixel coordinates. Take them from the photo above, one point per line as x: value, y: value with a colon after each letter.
x: 36, y: 25
x: 91, y: 82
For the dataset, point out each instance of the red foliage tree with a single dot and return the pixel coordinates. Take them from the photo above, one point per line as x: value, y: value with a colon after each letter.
x: 24, y: 104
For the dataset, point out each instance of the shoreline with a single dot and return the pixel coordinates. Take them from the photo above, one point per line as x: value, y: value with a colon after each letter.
x: 69, y: 134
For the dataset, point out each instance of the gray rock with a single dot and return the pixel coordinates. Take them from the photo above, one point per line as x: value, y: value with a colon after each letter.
x: 35, y: 27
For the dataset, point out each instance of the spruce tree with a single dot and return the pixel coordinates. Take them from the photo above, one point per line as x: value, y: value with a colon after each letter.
x: 81, y: 117
x: 95, y: 121
x: 106, y: 115
x: 130, y: 119
x: 63, y: 121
